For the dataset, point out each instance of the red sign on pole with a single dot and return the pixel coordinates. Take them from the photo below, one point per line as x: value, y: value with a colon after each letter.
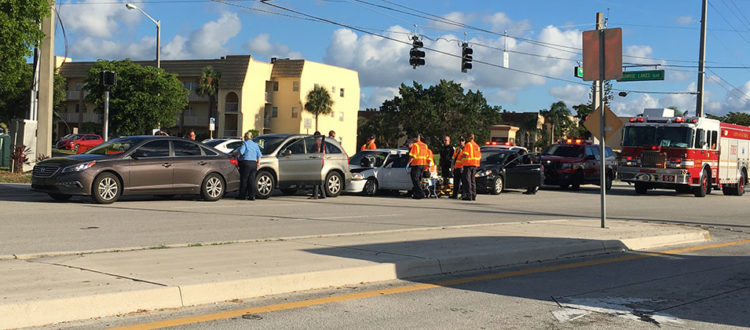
x: 612, y: 54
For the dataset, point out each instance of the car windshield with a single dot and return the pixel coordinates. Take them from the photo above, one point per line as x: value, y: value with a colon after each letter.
x: 680, y: 137
x: 564, y: 150
x: 213, y: 143
x: 493, y: 157
x: 369, y: 158
x: 114, y: 146
x: 268, y: 144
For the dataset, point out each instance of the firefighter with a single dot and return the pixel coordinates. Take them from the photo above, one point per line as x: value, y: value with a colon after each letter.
x: 417, y: 161
x: 470, y: 160
x: 370, y: 144
x: 457, y: 167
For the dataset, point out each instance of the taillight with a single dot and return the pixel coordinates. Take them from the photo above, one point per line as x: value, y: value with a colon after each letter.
x: 234, y: 162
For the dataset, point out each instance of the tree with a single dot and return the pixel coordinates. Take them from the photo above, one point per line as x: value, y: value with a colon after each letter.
x: 208, y: 85
x: 558, y: 116
x: 19, y: 23
x: 583, y: 111
x: 145, y: 97
x: 319, y: 102
x: 15, y: 103
x: 739, y: 118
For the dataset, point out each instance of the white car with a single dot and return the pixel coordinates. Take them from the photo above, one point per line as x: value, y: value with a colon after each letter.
x: 224, y: 145
x: 379, y: 169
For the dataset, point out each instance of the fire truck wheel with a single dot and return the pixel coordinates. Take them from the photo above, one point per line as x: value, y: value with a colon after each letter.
x: 741, y: 185
x: 641, y: 188
x: 704, y: 188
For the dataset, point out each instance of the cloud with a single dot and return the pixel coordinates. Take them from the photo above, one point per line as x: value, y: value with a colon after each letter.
x: 456, y: 18
x: 684, y: 20
x: 145, y: 49
x: 571, y: 94
x: 501, y: 22
x: 210, y: 40
x: 377, y: 96
x: 738, y: 99
x: 95, y: 19
x: 261, y: 45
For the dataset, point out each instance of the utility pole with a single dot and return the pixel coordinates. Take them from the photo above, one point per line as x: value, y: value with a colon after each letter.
x: 46, y: 85
x: 600, y: 101
x: 701, y: 63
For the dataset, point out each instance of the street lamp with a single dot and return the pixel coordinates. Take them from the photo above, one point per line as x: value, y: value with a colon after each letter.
x: 158, y: 31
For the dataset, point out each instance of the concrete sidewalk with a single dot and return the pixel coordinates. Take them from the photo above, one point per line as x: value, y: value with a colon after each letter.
x: 49, y: 290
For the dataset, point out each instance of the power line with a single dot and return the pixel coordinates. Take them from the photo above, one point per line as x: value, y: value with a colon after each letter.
x: 728, y: 23
x: 736, y: 90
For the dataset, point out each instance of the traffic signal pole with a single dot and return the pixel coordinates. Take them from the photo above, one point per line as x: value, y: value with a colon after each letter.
x: 701, y: 64
x: 602, y: 146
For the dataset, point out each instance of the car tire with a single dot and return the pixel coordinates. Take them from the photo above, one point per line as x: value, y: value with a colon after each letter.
x: 371, y: 187
x: 212, y: 188
x: 106, y: 188
x: 703, y: 189
x: 289, y: 191
x: 575, y: 184
x: 641, y: 188
x: 608, y: 182
x: 264, y: 183
x: 333, y: 184
x: 532, y: 190
x: 76, y: 147
x: 60, y: 197
x: 497, y: 186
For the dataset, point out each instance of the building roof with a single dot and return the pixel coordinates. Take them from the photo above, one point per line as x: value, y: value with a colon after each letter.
x: 232, y: 68
x: 287, y: 68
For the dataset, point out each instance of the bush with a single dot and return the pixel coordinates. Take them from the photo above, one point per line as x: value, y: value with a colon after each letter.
x: 19, y: 157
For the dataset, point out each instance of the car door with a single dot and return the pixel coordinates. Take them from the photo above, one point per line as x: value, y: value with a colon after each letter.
x: 150, y: 168
x: 396, y: 175
x: 293, y: 160
x: 515, y: 175
x: 189, y: 166
x: 591, y: 164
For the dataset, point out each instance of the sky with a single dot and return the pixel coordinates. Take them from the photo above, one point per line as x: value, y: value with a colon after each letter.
x: 542, y: 39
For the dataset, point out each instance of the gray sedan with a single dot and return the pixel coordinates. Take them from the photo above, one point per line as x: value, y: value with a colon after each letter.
x: 138, y: 165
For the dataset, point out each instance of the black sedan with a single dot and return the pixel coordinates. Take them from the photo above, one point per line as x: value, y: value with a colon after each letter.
x: 153, y: 165
x: 501, y: 169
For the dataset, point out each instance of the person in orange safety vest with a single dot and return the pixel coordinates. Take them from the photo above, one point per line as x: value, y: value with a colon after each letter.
x: 370, y: 144
x: 458, y: 168
x: 470, y: 157
x: 418, y: 159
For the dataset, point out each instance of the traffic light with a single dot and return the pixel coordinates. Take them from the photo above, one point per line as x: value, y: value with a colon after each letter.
x: 466, y: 57
x: 416, y: 56
x: 108, y: 79
x: 578, y: 72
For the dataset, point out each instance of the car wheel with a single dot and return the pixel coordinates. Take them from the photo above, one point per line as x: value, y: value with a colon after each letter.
x: 497, y: 186
x: 641, y: 188
x: 60, y: 197
x: 264, y: 182
x: 703, y: 189
x: 289, y: 191
x: 532, y: 190
x: 371, y: 187
x: 334, y: 184
x: 212, y: 188
x: 575, y: 184
x: 608, y: 182
x: 76, y: 147
x: 106, y: 188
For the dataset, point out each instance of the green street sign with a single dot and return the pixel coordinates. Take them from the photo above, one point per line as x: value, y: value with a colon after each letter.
x: 642, y: 75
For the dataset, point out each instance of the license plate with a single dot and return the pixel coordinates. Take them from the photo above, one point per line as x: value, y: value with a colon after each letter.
x: 667, y: 178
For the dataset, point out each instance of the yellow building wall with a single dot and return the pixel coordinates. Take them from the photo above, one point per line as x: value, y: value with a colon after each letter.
x: 252, y: 100
x: 344, y: 117
x: 285, y: 99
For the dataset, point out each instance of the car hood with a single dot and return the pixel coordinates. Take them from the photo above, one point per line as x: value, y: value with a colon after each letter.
x: 358, y: 169
x: 561, y: 159
x: 72, y: 159
x: 489, y: 167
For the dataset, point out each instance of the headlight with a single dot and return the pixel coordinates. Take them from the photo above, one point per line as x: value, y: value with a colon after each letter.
x: 78, y: 167
x: 484, y: 173
x: 357, y: 176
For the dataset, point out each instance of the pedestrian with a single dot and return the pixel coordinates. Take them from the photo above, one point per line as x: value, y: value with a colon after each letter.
x: 191, y: 135
x: 370, y: 144
x: 458, y: 168
x: 161, y: 133
x: 470, y: 161
x: 417, y: 161
x: 446, y: 156
x: 249, y: 158
x: 319, y: 147
x: 332, y: 134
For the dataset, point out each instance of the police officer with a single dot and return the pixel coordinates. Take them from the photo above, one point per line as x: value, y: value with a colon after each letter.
x: 446, y: 157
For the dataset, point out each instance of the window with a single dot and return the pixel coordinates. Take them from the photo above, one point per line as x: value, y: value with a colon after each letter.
x: 341, y: 116
x: 333, y: 90
x: 275, y: 86
x: 295, y: 112
x: 208, y: 152
x: 592, y: 151
x: 190, y: 86
x: 312, y: 145
x: 295, y: 86
x: 332, y: 149
x: 341, y: 92
x: 92, y: 137
x: 316, y: 86
x: 159, y: 148
x: 78, y: 108
x: 700, y: 137
x: 185, y: 149
x: 274, y: 112
x: 297, y: 147
x: 714, y: 139
x: 234, y: 145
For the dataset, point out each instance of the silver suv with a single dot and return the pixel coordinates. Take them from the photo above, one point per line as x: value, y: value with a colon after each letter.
x: 289, y: 164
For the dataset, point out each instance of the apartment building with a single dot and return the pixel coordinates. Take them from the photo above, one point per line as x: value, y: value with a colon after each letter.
x: 267, y: 97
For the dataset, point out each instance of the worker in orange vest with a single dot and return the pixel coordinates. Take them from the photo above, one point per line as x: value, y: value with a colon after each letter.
x: 470, y: 157
x: 417, y: 161
x: 370, y: 144
x: 458, y: 167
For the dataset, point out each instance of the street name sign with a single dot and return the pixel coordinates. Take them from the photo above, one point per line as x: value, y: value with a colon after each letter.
x: 642, y: 75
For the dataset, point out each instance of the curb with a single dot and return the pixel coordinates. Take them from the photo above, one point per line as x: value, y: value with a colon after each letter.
x: 44, y: 312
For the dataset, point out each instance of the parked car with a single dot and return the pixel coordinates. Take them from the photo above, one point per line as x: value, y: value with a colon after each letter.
x: 379, y: 169
x: 138, y: 165
x: 573, y: 163
x: 503, y: 147
x: 224, y: 145
x: 501, y: 169
x: 288, y: 163
x: 80, y: 142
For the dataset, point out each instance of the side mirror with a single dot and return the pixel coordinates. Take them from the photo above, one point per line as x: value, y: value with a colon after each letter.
x: 286, y: 153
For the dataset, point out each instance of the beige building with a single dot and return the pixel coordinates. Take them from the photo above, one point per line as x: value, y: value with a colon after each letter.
x: 267, y: 97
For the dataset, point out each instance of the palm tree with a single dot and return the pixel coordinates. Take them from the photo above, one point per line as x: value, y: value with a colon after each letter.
x: 319, y: 102
x: 208, y: 85
x: 559, y: 117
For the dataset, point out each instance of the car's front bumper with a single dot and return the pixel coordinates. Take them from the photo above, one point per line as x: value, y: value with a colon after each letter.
x: 68, y: 184
x: 355, y: 186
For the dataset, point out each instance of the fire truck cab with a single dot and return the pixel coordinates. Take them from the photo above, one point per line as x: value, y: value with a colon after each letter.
x: 661, y: 150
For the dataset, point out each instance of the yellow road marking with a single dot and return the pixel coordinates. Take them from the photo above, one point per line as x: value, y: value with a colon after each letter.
x: 410, y: 288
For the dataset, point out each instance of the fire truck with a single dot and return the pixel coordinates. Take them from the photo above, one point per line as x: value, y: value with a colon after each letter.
x: 687, y: 154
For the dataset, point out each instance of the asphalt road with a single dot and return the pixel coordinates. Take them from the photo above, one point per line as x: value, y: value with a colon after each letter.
x: 33, y: 223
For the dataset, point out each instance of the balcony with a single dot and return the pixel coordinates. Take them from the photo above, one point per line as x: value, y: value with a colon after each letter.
x: 194, y: 121
x: 74, y: 95
x: 73, y: 117
x: 194, y: 97
x: 269, y: 97
x: 231, y: 108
